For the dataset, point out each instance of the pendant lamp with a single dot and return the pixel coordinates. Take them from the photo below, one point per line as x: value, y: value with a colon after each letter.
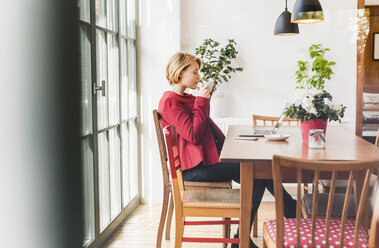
x: 284, y: 26
x: 307, y: 11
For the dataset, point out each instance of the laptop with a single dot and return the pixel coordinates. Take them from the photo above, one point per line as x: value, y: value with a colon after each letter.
x: 262, y: 132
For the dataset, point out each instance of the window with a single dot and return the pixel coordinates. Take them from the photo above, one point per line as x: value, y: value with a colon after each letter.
x: 109, y: 115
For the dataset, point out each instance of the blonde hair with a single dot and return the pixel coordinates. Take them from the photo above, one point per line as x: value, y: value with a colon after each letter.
x: 178, y: 63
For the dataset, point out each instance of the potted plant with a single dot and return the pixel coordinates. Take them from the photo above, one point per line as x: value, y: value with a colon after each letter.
x: 312, y: 104
x: 216, y: 63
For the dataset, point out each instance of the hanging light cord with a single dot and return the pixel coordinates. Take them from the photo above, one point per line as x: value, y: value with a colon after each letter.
x: 286, y: 5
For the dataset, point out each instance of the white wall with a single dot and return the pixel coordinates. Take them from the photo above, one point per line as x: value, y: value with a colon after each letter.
x: 269, y: 61
x: 371, y: 2
x: 159, y: 39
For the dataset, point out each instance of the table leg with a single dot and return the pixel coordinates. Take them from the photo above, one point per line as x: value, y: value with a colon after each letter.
x: 246, y: 194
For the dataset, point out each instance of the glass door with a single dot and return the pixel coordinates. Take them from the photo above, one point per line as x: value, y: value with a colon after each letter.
x: 109, y: 115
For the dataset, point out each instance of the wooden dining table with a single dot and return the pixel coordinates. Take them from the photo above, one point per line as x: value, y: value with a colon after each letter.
x: 255, y: 158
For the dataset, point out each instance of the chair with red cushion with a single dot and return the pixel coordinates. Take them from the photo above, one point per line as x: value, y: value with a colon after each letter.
x: 224, y: 203
x: 319, y: 232
x: 168, y: 204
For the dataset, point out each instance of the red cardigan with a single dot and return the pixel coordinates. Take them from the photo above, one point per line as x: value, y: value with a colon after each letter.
x: 196, y: 130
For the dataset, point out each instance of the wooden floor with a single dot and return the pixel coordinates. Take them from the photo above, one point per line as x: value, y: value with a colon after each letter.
x: 140, y: 229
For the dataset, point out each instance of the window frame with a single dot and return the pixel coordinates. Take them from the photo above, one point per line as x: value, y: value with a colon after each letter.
x: 100, y: 236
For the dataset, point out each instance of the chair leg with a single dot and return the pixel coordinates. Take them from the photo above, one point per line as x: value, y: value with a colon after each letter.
x: 255, y: 225
x: 226, y: 231
x: 264, y: 244
x: 169, y: 217
x: 166, y: 195
x: 264, y: 236
x: 179, y: 229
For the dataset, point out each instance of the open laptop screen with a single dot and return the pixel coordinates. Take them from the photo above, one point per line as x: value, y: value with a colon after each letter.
x: 261, y: 132
x: 279, y: 122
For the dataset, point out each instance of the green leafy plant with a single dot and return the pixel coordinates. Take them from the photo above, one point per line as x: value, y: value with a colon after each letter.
x: 321, y: 68
x: 311, y: 101
x: 216, y: 63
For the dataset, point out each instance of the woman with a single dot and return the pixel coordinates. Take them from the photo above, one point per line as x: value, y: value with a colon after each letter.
x: 199, y: 139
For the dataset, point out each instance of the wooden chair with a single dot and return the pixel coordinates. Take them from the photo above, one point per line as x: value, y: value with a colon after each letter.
x: 340, y: 188
x: 262, y: 120
x: 168, y: 204
x: 315, y: 231
x: 223, y: 203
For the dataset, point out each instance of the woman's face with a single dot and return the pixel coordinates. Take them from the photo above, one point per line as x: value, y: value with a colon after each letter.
x: 190, y: 76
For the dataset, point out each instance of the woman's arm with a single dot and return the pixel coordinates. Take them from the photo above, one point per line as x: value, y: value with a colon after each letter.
x: 217, y: 134
x: 190, y: 127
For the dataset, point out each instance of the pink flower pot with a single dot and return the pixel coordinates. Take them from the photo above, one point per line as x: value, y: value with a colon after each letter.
x: 312, y: 124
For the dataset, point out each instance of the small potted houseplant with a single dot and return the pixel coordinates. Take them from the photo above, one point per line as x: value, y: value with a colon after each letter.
x: 312, y: 105
x: 217, y: 63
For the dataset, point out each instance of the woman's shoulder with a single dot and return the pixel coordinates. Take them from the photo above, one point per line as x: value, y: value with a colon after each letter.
x: 170, y: 95
x: 170, y: 98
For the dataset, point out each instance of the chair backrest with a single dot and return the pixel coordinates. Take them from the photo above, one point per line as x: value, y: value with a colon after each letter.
x: 262, y: 120
x: 299, y: 170
x: 174, y: 165
x: 162, y: 147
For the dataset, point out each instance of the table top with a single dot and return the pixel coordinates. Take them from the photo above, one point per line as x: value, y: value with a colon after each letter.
x: 341, y: 144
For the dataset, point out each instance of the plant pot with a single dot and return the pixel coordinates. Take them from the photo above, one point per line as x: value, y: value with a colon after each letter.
x: 312, y: 124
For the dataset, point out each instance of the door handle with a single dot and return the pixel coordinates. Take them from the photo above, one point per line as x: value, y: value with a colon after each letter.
x: 101, y: 88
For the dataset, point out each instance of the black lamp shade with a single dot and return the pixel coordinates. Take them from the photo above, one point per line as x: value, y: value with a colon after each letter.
x: 307, y: 11
x: 283, y: 25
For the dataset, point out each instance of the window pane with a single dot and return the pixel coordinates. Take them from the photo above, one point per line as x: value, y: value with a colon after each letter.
x: 112, y: 15
x: 103, y: 181
x: 133, y: 158
x: 132, y: 79
x: 125, y: 164
x: 84, y: 10
x: 101, y: 63
x: 123, y: 18
x: 113, y: 80
x: 115, y: 172
x: 100, y: 13
x: 88, y: 190
x: 86, y: 95
x: 131, y: 8
x: 124, y: 79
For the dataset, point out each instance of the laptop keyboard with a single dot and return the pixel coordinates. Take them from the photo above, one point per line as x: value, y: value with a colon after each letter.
x: 262, y: 131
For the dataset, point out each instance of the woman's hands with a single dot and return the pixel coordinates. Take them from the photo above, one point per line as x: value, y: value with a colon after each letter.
x: 204, y: 91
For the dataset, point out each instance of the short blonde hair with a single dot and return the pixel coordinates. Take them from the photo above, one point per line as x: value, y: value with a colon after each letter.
x: 177, y: 63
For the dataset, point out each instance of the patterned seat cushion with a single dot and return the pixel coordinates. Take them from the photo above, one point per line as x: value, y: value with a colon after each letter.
x: 290, y: 236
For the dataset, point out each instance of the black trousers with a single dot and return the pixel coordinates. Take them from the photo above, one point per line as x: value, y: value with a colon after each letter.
x: 231, y: 171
